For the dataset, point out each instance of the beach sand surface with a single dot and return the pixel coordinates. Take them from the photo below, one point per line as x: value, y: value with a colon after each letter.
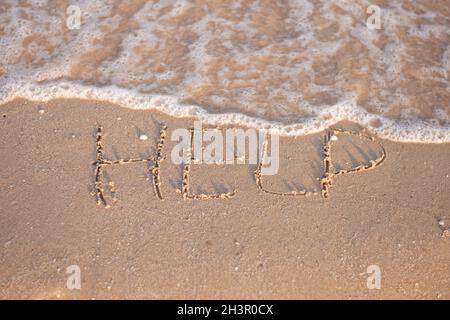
x: 252, y: 246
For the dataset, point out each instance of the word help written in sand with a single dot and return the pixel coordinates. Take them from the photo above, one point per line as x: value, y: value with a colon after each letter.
x: 326, y: 181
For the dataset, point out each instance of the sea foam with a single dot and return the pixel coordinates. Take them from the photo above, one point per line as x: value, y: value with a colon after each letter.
x: 289, y: 67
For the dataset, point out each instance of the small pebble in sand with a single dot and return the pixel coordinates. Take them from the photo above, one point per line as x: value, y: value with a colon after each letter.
x: 41, y: 111
x: 441, y: 222
x: 334, y: 138
x: 73, y: 136
x: 119, y: 118
x: 143, y: 137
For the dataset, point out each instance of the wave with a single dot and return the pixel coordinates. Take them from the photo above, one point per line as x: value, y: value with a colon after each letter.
x: 292, y: 67
x: 418, y: 131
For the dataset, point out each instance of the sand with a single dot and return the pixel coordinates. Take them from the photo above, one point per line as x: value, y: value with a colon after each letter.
x: 254, y: 245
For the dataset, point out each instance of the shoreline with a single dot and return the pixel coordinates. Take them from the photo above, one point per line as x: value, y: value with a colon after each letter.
x: 254, y: 245
x: 326, y: 117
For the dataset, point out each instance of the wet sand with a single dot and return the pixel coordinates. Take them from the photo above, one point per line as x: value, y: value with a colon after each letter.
x: 254, y: 245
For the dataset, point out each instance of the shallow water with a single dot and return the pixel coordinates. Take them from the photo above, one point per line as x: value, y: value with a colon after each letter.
x: 293, y: 67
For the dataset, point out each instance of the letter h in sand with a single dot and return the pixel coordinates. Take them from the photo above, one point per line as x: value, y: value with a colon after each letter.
x: 101, y: 162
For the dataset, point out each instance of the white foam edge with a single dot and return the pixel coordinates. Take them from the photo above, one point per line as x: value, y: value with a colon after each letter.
x: 407, y: 131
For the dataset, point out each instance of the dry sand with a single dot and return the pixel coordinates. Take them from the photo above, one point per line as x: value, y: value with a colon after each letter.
x: 255, y: 245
